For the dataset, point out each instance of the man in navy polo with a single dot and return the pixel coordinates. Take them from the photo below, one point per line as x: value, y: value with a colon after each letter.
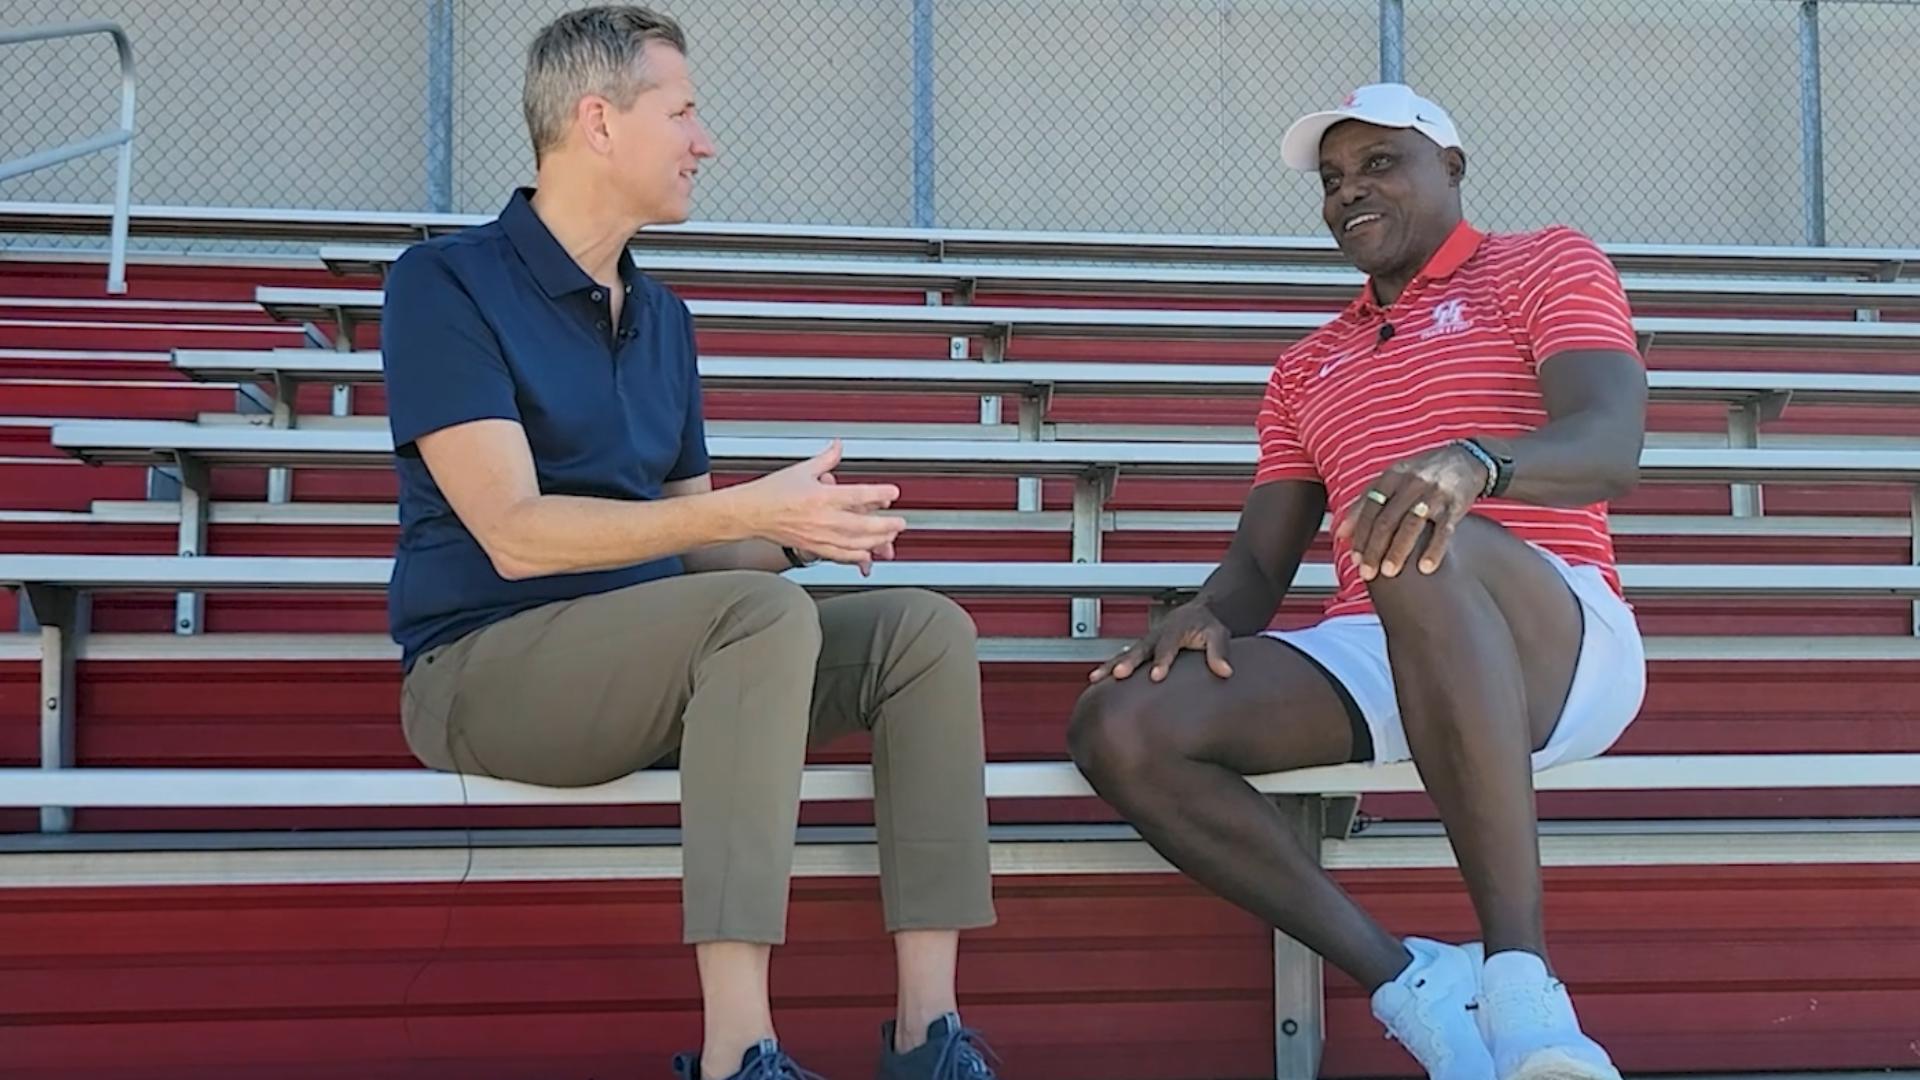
x: 575, y: 602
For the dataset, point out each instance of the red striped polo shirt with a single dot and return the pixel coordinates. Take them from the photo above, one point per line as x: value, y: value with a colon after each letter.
x: 1468, y: 336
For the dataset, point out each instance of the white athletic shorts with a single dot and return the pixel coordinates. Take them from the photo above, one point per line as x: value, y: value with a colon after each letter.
x: 1609, y: 680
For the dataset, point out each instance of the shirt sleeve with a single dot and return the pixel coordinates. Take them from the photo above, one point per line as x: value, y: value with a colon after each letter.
x: 693, y: 460
x: 443, y: 363
x: 1571, y: 298
x: 1283, y: 452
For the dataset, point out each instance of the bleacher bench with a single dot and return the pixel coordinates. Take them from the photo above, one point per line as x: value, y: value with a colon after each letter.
x: 344, y: 310
x: 1751, y: 397
x: 54, y: 584
x: 967, y: 280
x: 334, y: 226
x: 370, y: 444
x: 1095, y: 467
x: 1038, y: 378
x: 1320, y: 804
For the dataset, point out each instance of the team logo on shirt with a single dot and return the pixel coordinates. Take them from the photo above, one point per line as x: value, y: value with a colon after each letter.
x: 1449, y: 317
x: 1334, y: 361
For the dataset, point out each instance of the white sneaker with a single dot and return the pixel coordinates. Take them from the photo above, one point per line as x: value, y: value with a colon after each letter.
x: 1427, y: 1010
x: 1527, y: 1018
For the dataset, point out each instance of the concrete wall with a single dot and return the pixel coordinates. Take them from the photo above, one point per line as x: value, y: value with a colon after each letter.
x: 1635, y: 119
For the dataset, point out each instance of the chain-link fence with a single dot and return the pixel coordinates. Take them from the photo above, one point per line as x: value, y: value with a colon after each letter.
x: 1638, y: 120
x: 312, y: 104
x: 810, y: 102
x: 1871, y: 110
x: 1647, y: 119
x: 1112, y: 116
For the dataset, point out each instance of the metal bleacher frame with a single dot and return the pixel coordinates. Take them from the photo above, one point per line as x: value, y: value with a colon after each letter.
x: 1320, y: 804
x: 118, y: 138
x: 1859, y: 283
x: 342, y: 311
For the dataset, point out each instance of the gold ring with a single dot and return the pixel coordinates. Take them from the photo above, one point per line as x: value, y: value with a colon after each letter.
x: 1420, y: 509
x: 1377, y: 496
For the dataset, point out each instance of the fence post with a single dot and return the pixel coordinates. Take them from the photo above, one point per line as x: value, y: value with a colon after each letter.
x: 440, y: 105
x: 1393, y: 41
x: 923, y: 114
x: 1813, y: 170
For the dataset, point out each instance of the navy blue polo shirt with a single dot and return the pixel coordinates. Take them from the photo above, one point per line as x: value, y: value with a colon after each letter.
x: 499, y: 322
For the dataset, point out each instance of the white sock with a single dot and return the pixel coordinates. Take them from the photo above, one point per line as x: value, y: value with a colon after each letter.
x: 1515, y: 967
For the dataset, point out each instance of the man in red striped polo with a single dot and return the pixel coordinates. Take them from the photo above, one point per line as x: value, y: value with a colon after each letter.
x: 1466, y: 418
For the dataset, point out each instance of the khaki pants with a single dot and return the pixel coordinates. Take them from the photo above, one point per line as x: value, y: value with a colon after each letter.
x: 733, y: 674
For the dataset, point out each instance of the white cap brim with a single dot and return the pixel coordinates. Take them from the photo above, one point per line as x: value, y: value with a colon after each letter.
x: 1300, y: 146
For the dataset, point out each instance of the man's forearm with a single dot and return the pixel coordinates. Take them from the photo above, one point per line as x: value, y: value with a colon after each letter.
x: 1240, y: 594
x: 1277, y: 525
x: 565, y: 534
x: 738, y: 555
x: 1589, y: 451
x: 1577, y: 460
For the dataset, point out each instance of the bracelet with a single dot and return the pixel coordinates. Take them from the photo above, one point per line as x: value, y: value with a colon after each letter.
x: 1501, y: 477
x: 794, y: 559
x: 1486, y: 461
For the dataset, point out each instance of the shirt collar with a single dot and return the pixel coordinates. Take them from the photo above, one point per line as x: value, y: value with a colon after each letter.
x: 554, y: 269
x: 1451, y: 255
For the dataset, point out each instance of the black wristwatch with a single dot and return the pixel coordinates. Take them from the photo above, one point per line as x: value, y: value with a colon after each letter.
x: 1499, y: 467
x: 794, y: 558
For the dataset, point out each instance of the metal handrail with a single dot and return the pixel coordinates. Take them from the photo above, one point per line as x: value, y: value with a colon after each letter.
x: 122, y: 137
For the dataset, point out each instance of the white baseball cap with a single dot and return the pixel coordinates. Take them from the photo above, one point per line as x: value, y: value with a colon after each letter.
x: 1389, y: 105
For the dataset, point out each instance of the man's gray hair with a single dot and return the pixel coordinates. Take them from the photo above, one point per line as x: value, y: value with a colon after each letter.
x: 596, y: 50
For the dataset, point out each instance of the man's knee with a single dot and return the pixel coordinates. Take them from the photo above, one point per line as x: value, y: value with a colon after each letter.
x: 1114, y: 738
x: 1415, y: 597
x: 917, y: 632
x: 1413, y: 591
x: 933, y: 621
x: 758, y: 604
x: 1482, y: 562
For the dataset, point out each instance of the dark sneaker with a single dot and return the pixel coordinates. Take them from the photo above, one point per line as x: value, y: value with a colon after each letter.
x: 763, y: 1061
x: 951, y: 1052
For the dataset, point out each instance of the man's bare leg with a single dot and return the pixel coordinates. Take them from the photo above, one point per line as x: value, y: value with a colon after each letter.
x: 928, y: 971
x: 1483, y: 651
x: 1172, y: 757
x: 733, y: 990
